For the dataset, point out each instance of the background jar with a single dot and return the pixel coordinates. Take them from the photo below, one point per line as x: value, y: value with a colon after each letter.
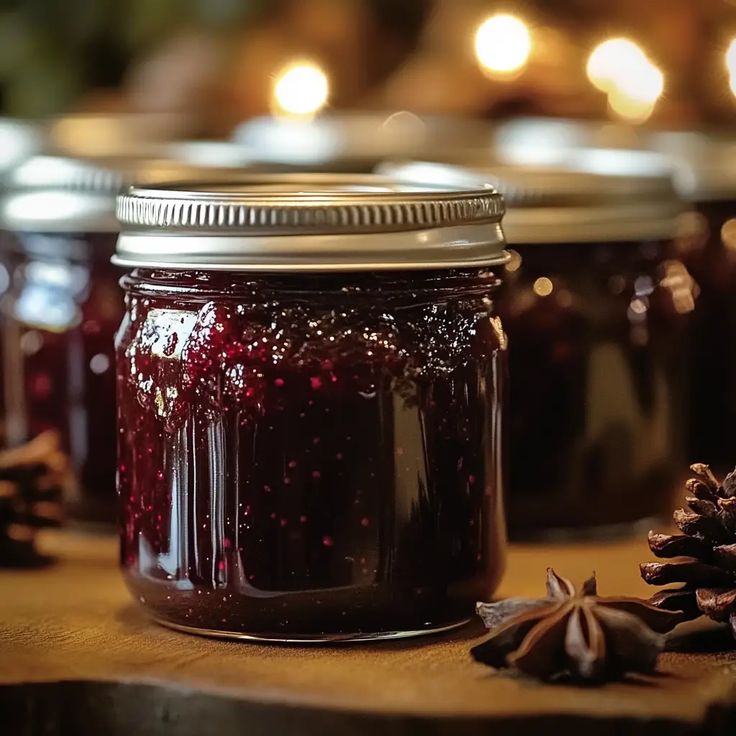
x: 62, y: 311
x: 18, y: 141
x: 706, y: 178
x: 310, y: 374
x: 597, y: 309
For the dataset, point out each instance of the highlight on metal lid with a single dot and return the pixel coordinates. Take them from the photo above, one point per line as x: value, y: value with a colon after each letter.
x: 312, y: 222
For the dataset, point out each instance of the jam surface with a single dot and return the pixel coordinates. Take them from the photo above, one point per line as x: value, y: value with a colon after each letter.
x: 312, y: 455
x: 61, y: 316
x: 598, y: 337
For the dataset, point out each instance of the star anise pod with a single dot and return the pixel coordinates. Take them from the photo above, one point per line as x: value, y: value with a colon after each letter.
x: 579, y: 635
x: 706, y: 548
x: 33, y: 478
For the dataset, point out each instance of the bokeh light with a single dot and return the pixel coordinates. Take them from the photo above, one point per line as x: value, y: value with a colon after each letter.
x: 300, y: 89
x: 543, y: 286
x: 620, y: 68
x: 610, y: 59
x: 731, y: 65
x: 503, y: 44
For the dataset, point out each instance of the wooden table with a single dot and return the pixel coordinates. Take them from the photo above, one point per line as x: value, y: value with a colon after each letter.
x: 77, y: 657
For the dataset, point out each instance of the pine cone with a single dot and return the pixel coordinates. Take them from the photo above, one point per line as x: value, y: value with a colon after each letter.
x: 32, y: 482
x: 707, y: 547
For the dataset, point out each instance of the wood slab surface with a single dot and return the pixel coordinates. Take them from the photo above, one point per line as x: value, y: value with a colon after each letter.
x: 78, y: 657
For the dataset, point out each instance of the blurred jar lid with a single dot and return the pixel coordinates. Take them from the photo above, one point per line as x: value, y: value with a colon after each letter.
x: 548, y: 141
x: 114, y: 134
x: 67, y: 194
x: 358, y: 141
x: 705, y: 163
x: 311, y: 222
x: 571, y: 205
x: 19, y: 139
x: 219, y: 153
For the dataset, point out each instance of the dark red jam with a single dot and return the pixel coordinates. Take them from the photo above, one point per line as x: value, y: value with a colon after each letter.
x: 61, y: 315
x: 598, y: 337
x: 712, y: 260
x: 310, y: 456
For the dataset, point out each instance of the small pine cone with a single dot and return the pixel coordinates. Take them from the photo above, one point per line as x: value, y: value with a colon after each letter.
x: 703, y: 555
x: 33, y: 478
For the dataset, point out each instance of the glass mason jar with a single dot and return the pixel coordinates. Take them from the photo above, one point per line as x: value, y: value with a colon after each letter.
x: 18, y: 140
x: 60, y: 315
x: 706, y: 166
x: 310, y: 379
x: 597, y: 310
x: 62, y: 311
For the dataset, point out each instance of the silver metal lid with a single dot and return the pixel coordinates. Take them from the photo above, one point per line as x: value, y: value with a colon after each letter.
x: 358, y: 141
x: 224, y: 154
x: 63, y: 194
x: 311, y: 222
x: 543, y: 141
x: 705, y: 164
x: 564, y: 205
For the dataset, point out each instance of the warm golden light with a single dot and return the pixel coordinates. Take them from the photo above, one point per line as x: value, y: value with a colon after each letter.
x: 503, y: 44
x: 635, y: 111
x: 731, y: 65
x: 514, y: 263
x: 633, y: 83
x: 609, y: 58
x: 728, y: 234
x: 543, y: 286
x: 300, y: 89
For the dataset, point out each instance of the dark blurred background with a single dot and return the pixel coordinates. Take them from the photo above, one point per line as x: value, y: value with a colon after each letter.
x: 222, y: 61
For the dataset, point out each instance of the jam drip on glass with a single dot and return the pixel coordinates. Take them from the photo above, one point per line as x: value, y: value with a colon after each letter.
x: 310, y: 455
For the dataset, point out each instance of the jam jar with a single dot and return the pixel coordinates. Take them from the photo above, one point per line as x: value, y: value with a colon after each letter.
x: 18, y: 141
x: 706, y: 177
x: 597, y: 311
x: 62, y: 311
x: 309, y: 377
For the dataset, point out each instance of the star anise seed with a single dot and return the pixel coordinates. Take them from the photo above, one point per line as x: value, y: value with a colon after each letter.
x: 580, y: 635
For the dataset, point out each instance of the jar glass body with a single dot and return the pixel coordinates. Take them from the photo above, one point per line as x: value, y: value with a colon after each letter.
x: 310, y: 456
x: 598, y: 336
x: 61, y: 314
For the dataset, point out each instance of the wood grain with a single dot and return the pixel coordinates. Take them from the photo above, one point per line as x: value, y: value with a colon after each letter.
x: 78, y: 656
